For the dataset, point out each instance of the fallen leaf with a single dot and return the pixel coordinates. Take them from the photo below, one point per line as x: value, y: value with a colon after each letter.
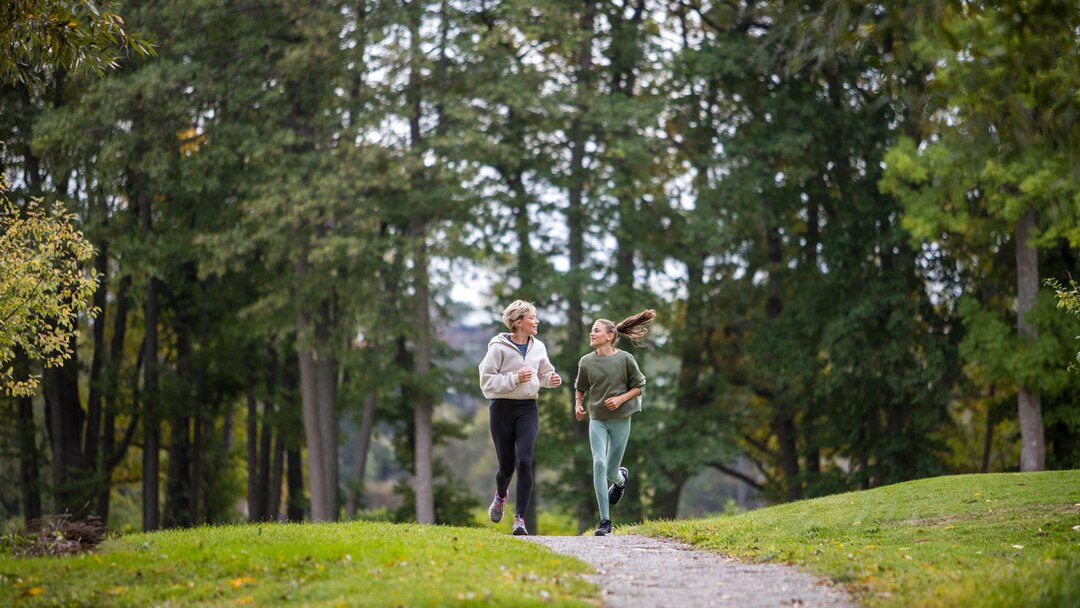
x: 118, y: 590
x: 35, y: 591
x: 1018, y: 546
x: 240, y: 582
x: 244, y: 600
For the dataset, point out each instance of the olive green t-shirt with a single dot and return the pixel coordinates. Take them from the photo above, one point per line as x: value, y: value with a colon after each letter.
x: 610, y: 376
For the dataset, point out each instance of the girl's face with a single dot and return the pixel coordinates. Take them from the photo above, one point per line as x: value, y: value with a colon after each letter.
x: 529, y: 324
x: 600, y: 336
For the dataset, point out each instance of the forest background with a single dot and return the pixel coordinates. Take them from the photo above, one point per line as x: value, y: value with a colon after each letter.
x: 845, y: 213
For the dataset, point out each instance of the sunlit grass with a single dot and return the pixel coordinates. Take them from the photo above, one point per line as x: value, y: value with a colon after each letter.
x: 971, y: 540
x: 357, y: 563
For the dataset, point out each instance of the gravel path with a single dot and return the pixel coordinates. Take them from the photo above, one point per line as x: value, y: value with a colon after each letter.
x: 641, y: 571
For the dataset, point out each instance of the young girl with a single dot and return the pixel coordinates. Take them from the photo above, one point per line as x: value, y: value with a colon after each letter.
x: 511, y: 374
x: 613, y: 382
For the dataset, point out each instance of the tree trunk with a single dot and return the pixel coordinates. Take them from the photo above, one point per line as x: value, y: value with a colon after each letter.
x: 1029, y: 406
x: 320, y: 510
x: 273, y: 495
x: 363, y: 445
x: 295, y: 481
x: 151, y: 461
x: 254, y: 495
x: 425, y: 443
x: 65, y: 418
x: 575, y: 221
x: 108, y: 433
x: 29, y: 468
x: 326, y: 371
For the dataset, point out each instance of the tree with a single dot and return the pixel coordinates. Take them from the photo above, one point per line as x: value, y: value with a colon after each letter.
x: 43, y: 289
x: 998, y: 160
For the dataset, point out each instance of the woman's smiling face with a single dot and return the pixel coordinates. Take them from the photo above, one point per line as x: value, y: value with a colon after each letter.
x: 599, y: 335
x: 529, y: 324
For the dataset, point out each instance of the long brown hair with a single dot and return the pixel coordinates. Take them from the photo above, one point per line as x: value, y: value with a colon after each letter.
x: 633, y: 327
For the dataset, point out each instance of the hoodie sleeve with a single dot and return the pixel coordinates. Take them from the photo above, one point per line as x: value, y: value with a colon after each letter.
x: 491, y: 381
x: 544, y: 371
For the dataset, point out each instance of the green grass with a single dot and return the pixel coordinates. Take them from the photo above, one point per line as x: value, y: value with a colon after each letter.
x: 970, y: 540
x: 357, y: 563
x: 974, y: 540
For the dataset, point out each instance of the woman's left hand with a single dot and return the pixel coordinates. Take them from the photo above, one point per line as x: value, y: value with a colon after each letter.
x: 555, y: 380
x: 612, y: 403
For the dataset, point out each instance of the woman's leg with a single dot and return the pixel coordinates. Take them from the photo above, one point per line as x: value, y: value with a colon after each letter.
x: 599, y: 440
x: 526, y: 427
x: 501, y: 421
x: 619, y: 432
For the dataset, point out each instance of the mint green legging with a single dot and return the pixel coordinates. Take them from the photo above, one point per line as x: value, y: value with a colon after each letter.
x: 607, y: 438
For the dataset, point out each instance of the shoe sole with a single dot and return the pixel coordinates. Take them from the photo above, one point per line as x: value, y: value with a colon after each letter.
x: 521, y: 532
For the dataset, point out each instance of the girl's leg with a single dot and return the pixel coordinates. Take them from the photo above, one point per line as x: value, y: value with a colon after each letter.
x: 599, y: 440
x: 619, y: 431
x: 526, y: 427
x: 501, y: 421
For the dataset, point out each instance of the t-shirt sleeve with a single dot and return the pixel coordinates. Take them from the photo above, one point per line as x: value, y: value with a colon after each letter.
x: 634, y: 377
x: 582, y: 383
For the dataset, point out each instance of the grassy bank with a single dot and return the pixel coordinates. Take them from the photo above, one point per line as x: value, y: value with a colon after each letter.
x: 357, y: 563
x: 970, y: 540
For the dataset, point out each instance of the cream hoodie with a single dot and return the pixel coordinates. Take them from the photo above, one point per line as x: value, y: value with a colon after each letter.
x: 500, y: 367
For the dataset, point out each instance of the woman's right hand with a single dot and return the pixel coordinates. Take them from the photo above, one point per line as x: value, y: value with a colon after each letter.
x: 579, y: 412
x: 524, y: 375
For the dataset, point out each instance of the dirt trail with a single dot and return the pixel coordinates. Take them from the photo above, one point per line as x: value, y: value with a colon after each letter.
x: 641, y: 571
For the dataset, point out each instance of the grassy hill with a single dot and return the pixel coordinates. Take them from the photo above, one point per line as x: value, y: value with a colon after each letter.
x: 976, y: 540
x: 966, y: 540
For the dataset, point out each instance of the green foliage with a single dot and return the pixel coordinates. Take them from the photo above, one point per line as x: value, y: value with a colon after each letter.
x: 972, y: 540
x: 40, y: 38
x: 1068, y: 299
x: 43, y: 290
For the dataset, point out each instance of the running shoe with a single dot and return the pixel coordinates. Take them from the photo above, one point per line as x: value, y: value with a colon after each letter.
x: 519, y: 526
x: 495, y: 511
x: 615, y: 492
x: 604, y: 528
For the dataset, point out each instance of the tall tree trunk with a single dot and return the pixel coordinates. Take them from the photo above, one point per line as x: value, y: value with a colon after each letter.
x: 423, y: 445
x: 273, y: 495
x: 320, y: 510
x: 1029, y: 406
x: 326, y: 370
x: 363, y: 445
x: 151, y: 461
x: 65, y: 417
x: 29, y: 468
x: 575, y: 221
x: 295, y: 481
x: 425, y: 440
x: 783, y: 418
x: 255, y: 499
x: 111, y: 390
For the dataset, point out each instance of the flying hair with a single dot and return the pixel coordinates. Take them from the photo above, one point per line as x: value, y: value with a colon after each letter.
x: 633, y: 327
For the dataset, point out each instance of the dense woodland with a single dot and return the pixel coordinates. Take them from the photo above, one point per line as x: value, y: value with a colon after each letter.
x: 845, y: 214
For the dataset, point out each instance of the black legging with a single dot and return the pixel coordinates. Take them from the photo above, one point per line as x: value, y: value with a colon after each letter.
x: 514, y: 424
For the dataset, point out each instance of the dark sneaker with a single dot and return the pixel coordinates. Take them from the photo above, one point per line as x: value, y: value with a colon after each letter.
x: 519, y: 526
x: 495, y: 511
x: 615, y: 492
x: 604, y: 528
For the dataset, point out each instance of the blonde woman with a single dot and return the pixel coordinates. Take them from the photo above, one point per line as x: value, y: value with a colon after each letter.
x: 613, y: 383
x: 511, y: 374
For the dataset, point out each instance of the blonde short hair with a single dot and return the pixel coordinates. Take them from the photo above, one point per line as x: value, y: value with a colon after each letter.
x: 516, y: 311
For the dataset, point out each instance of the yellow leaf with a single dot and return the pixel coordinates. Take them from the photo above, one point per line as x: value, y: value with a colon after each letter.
x: 240, y: 582
x: 35, y: 591
x: 245, y: 600
x: 117, y: 590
